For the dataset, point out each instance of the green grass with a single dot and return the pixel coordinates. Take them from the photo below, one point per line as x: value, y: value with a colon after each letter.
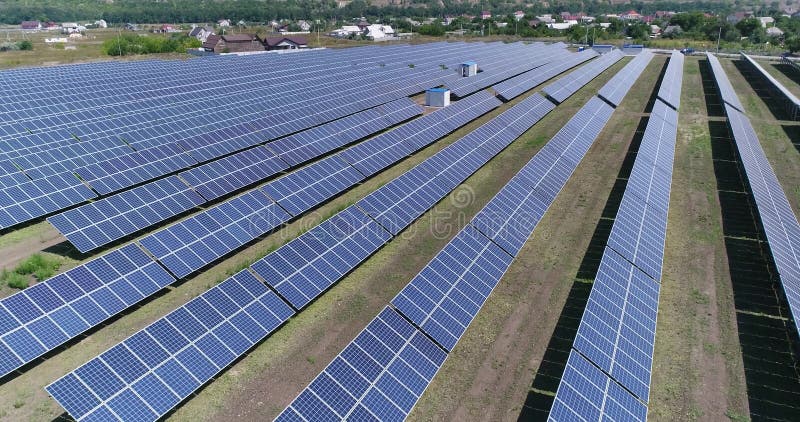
x: 38, y: 265
x: 14, y: 279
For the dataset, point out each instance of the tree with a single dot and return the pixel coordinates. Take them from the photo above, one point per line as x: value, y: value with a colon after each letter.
x: 793, y: 44
x: 747, y: 27
x: 25, y: 45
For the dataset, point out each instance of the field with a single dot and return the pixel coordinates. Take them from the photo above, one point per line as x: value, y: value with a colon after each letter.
x: 725, y: 346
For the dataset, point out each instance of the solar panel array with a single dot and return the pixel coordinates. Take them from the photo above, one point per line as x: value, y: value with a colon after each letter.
x: 564, y: 87
x: 149, y: 373
x: 379, y: 376
x: 168, y: 136
x: 300, y: 271
x: 791, y: 102
x: 46, y: 315
x: 724, y: 86
x: 616, y: 88
x: 400, y: 202
x: 670, y: 89
x: 776, y: 214
x: 613, y: 348
x: 509, y: 66
x: 445, y: 296
x: 524, y: 82
x: 114, y: 217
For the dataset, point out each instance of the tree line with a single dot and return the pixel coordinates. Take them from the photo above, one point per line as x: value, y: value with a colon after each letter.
x: 180, y: 11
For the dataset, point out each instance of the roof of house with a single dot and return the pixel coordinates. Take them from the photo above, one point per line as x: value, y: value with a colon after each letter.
x: 195, y: 31
x: 211, y: 41
x: 239, y: 38
x: 273, y: 41
x: 30, y: 24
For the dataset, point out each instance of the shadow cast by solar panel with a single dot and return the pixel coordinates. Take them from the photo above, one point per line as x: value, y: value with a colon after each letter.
x: 546, y: 380
x: 793, y: 132
x: 790, y: 71
x: 765, y: 91
x: 768, y: 340
x: 714, y: 107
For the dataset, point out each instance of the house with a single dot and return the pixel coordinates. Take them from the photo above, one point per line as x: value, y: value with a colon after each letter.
x: 377, y: 32
x: 766, y: 21
x: 346, y: 31
x: 774, y: 32
x: 224, y: 22
x: 201, y: 33
x: 448, y: 20
x: 631, y: 15
x: 285, y: 43
x: 304, y: 25
x: 131, y: 27
x: 69, y: 27
x: 486, y: 14
x: 519, y: 14
x: 165, y: 29
x: 561, y: 26
x: 31, y: 25
x: 101, y: 23
x: 235, y: 43
x: 50, y: 26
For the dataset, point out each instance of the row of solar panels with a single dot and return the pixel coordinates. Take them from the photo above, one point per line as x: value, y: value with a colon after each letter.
x: 608, y: 371
x: 66, y: 305
x: 164, y: 363
x: 375, y: 377
x: 114, y: 217
x: 777, y: 217
x: 614, y: 91
x: 516, y: 86
x: 791, y: 102
x: 726, y: 91
x: 563, y: 88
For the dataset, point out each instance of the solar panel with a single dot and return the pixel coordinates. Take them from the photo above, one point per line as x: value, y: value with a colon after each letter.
x: 401, y: 201
x: 563, y: 88
x: 305, y: 145
x: 308, y: 265
x: 304, y: 189
x: 516, y: 86
x: 10, y: 174
x: 101, y: 222
x: 149, y: 373
x: 226, y: 175
x: 670, y: 89
x: 128, y: 170
x: 618, y: 328
x: 191, y: 244
x: 375, y: 155
x: 48, y: 314
x: 726, y: 90
x: 618, y: 86
x: 37, y: 198
x: 380, y: 375
x: 776, y: 215
x: 447, y: 294
x: 586, y: 393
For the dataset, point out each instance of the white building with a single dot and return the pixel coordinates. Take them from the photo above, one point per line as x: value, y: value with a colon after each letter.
x: 101, y: 23
x: 766, y: 21
x: 378, y: 31
x: 69, y: 27
x: 224, y: 22
x: 562, y: 26
x: 774, y: 32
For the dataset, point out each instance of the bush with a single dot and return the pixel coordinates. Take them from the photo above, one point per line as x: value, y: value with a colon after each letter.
x: 128, y: 44
x: 38, y: 265
x: 9, y: 46
x: 25, y: 45
x: 14, y: 279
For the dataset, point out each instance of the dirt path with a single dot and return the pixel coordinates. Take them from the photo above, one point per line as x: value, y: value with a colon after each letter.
x: 20, y: 244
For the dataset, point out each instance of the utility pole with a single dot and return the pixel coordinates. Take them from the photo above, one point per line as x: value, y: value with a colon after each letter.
x: 719, y: 36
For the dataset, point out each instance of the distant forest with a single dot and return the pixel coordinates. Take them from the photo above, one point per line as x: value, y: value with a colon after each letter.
x: 180, y: 11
